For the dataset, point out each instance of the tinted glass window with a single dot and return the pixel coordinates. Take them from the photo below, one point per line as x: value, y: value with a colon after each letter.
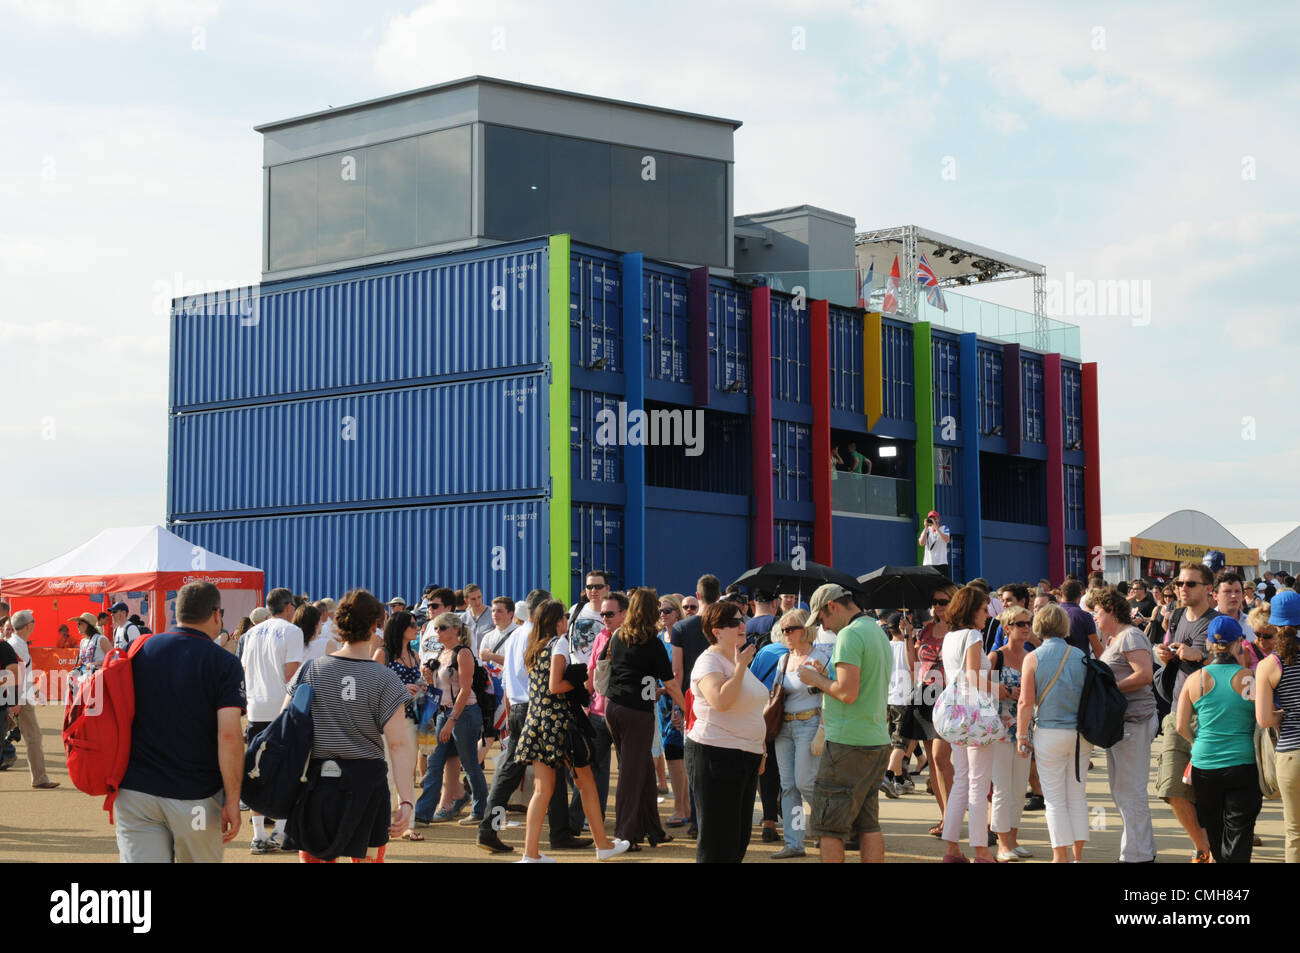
x: 392, y: 169
x: 341, y: 205
x: 698, y: 196
x: 579, y: 180
x: 293, y: 215
x: 515, y: 171
x: 640, y: 203
x: 444, y: 185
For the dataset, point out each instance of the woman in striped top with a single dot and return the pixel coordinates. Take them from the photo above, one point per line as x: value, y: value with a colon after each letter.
x: 1277, y: 705
x: 357, y: 706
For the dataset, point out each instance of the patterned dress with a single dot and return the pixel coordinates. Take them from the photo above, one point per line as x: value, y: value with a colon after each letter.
x: 546, y: 729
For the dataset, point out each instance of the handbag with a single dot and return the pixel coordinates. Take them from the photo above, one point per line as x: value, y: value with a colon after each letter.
x: 965, y: 715
x: 774, y: 710
x: 604, y: 665
x: 1266, y: 761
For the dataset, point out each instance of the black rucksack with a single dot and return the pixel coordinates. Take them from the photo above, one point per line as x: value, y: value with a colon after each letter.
x: 482, y: 688
x: 275, y: 764
x: 1101, y: 708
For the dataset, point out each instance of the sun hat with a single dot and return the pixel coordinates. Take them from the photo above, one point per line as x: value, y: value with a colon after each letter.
x: 1284, y: 609
x: 87, y: 617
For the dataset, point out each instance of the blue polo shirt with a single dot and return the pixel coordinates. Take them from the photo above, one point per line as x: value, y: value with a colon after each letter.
x: 182, y: 678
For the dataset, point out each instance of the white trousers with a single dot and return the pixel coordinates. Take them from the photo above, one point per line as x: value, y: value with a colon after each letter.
x: 972, y: 776
x: 1010, y: 779
x: 1066, y: 798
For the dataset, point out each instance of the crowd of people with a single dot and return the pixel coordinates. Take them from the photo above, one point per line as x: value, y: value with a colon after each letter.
x: 456, y: 709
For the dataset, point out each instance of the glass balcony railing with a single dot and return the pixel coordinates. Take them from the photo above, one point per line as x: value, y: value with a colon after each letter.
x: 871, y: 495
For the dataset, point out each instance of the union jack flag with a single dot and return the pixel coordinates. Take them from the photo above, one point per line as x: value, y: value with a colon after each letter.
x: 927, y: 279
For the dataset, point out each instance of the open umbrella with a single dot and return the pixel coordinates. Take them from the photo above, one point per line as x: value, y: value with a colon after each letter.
x: 896, y: 587
x: 784, y: 577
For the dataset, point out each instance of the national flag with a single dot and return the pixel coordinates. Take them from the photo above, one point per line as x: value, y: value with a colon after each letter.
x: 891, y: 290
x: 864, y: 284
x: 927, y: 279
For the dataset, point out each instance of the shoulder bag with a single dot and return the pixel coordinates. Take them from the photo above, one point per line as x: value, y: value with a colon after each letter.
x: 774, y: 710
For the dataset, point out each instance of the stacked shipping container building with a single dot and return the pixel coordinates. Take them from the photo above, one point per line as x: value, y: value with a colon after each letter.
x: 456, y: 414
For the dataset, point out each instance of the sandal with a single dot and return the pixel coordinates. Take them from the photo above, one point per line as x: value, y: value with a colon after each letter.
x: 676, y: 821
x: 412, y: 835
x: 937, y: 830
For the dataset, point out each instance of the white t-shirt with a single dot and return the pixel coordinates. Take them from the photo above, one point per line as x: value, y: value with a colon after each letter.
x: 955, y: 644
x: 19, y: 645
x: 900, y: 676
x: 936, y: 550
x: 496, y: 638
x: 514, y: 676
x: 582, y: 634
x: 316, y: 648
x: 268, y: 647
x: 124, y: 635
x: 740, y: 726
x: 430, y: 647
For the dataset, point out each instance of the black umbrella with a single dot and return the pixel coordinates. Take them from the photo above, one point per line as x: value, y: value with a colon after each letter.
x: 896, y: 587
x: 784, y: 577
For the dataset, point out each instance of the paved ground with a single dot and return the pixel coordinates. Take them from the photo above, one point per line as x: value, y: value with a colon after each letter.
x: 66, y: 825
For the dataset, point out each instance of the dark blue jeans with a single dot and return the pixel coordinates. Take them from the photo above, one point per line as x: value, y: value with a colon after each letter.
x: 464, y: 742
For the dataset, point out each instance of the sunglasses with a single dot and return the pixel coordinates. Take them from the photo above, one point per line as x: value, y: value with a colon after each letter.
x: 608, y: 615
x: 690, y: 608
x: 444, y: 628
x: 667, y: 611
x: 941, y: 602
x: 793, y: 628
x: 1189, y: 583
x: 1020, y: 625
x: 596, y: 585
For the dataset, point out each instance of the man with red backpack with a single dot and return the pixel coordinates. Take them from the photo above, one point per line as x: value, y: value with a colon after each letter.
x: 179, y: 798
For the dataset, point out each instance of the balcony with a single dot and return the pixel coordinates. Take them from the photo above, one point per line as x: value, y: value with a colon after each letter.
x: 1001, y: 323
x: 863, y: 495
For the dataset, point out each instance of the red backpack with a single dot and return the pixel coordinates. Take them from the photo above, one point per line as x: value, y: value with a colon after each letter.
x: 97, y: 726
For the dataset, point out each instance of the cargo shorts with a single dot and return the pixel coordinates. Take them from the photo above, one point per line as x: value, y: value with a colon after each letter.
x: 1172, y: 757
x: 846, y: 794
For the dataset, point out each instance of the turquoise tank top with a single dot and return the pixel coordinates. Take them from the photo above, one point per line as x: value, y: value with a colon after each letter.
x: 1225, y: 722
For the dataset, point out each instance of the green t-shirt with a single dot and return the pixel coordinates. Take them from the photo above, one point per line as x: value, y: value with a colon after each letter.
x: 866, y: 722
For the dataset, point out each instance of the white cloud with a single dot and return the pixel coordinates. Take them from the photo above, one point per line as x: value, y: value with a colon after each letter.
x: 114, y: 16
x: 1004, y: 120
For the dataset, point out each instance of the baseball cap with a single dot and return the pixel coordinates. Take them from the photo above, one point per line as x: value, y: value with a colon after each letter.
x: 1285, y: 609
x: 119, y: 607
x: 893, y: 620
x: 1223, y: 629
x: 397, y: 601
x: 1215, y: 560
x: 763, y: 595
x: 521, y: 611
x: 824, y: 595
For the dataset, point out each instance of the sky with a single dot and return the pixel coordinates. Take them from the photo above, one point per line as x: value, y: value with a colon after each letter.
x: 1154, y: 143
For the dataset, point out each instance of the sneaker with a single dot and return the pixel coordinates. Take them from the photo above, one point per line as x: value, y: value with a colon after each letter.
x: 441, y: 816
x: 787, y: 852
x: 459, y: 805
x: 909, y: 787
x: 261, y: 847
x: 539, y: 859
x: 887, y: 786
x: 493, y: 844
x: 1034, y: 802
x: 572, y: 843
x: 276, y: 841
x: 1022, y: 851
x: 619, y: 846
x: 242, y: 807
x: 1007, y: 856
x: 470, y: 820
x: 770, y: 836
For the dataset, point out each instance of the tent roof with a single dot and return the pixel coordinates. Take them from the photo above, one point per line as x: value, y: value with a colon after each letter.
x: 131, y: 550
x: 1269, y: 536
x: 1181, y: 526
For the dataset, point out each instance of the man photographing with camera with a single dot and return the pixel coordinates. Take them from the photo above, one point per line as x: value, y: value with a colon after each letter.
x: 934, y: 538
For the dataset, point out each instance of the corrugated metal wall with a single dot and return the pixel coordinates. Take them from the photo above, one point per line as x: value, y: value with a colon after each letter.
x: 791, y: 461
x: 368, y: 331
x: 592, y: 458
x: 1076, y: 560
x: 1032, y: 396
x: 957, y: 558
x: 1072, y: 406
x: 791, y: 378
x: 946, y: 371
x: 371, y: 448
x: 500, y: 545
x: 947, y: 480
x: 990, y: 389
x: 595, y: 309
x: 898, y: 371
x: 724, y: 466
x: 846, y: 359
x: 1075, y: 517
x: 598, y: 544
x: 788, y: 535
x: 728, y: 336
x: 666, y: 324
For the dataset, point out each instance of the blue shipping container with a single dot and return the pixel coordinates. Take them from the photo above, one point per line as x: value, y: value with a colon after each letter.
x: 990, y: 390
x: 791, y: 340
x: 728, y: 336
x: 375, y: 448
x: 1032, y: 397
x: 595, y: 309
x: 451, y: 315
x: 665, y: 324
x: 898, y: 372
x: 594, y: 455
x: 1072, y: 406
x: 791, y: 461
x: 946, y: 373
x: 503, y: 546
x: 846, y: 360
x: 598, y: 544
x: 790, y: 537
x: 947, y: 480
